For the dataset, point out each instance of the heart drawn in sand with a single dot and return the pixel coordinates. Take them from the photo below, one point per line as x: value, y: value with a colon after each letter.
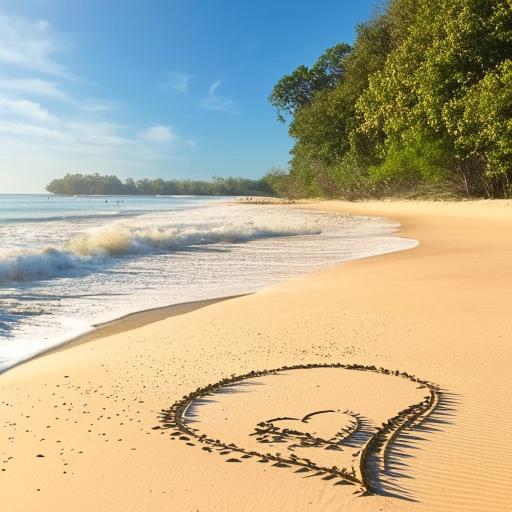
x: 319, y: 428
x: 338, y: 421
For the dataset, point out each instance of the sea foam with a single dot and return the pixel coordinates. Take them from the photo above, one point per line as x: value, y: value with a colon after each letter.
x: 128, y: 239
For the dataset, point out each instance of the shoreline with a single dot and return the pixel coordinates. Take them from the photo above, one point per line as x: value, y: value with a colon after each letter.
x: 125, y: 323
x: 440, y: 312
x: 145, y: 316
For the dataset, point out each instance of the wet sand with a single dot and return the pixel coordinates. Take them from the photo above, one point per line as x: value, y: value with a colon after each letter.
x: 82, y: 427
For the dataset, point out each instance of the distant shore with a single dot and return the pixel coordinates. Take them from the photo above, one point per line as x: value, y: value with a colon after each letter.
x: 83, y: 423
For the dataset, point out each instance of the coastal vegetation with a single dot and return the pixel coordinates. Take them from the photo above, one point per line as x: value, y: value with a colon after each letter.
x: 96, y: 184
x: 420, y: 104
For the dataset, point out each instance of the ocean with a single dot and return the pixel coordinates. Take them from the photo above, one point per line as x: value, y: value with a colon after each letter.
x: 69, y: 263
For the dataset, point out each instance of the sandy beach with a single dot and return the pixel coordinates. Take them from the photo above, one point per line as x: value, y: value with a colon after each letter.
x: 89, y: 427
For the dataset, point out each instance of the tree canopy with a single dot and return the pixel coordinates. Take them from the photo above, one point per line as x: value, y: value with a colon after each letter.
x: 421, y: 102
x: 298, y: 89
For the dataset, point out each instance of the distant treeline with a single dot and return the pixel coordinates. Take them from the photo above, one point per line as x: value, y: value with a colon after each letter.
x: 96, y: 184
x: 421, y: 104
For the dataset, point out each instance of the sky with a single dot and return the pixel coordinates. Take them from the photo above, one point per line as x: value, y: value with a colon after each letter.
x: 171, y: 89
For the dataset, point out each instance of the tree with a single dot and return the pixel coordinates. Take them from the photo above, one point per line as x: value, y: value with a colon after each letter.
x: 449, y: 47
x: 298, y: 89
x: 482, y: 130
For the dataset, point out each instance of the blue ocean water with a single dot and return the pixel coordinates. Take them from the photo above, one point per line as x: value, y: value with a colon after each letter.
x: 37, y: 207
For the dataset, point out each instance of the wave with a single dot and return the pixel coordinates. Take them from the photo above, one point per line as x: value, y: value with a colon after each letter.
x: 118, y: 239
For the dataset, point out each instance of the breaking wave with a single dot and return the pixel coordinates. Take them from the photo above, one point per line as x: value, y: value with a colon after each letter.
x: 119, y: 239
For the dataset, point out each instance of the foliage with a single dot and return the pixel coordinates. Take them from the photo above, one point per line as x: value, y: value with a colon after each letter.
x: 483, y: 129
x: 422, y: 99
x: 96, y: 184
x: 283, y: 185
x: 412, y: 157
x: 298, y: 89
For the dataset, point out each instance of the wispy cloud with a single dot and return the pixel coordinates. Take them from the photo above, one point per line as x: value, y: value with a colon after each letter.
x: 32, y: 45
x: 69, y: 135
x: 98, y: 105
x: 24, y: 132
x: 213, y: 101
x: 46, y: 89
x: 162, y: 134
x: 36, y: 127
x: 177, y: 82
x: 105, y: 134
x: 33, y: 86
x: 158, y: 134
x: 15, y: 107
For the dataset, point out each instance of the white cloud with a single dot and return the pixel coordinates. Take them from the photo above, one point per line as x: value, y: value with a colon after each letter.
x: 33, y: 86
x: 98, y: 138
x: 97, y: 106
x: 161, y: 134
x: 72, y: 136
x: 97, y: 133
x: 23, y: 131
x: 43, y: 88
x: 214, y: 102
x: 26, y: 109
x: 179, y: 82
x: 31, y: 45
x: 158, y: 134
x: 43, y: 25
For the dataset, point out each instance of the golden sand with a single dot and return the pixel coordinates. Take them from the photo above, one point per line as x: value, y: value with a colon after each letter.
x: 78, y: 424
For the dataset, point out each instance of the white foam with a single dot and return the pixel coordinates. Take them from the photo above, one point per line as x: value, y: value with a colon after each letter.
x: 27, y: 266
x: 123, y: 238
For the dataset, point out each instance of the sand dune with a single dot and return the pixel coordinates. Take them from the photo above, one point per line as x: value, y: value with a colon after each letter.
x: 82, y: 427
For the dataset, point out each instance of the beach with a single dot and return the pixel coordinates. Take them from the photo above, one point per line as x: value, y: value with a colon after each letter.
x: 68, y: 264
x: 84, y: 426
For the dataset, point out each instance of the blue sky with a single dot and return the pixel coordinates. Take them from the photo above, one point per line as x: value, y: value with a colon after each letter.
x: 152, y: 89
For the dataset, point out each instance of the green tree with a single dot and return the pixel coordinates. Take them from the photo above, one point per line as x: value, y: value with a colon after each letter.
x: 298, y: 89
x: 482, y: 130
x: 449, y: 47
